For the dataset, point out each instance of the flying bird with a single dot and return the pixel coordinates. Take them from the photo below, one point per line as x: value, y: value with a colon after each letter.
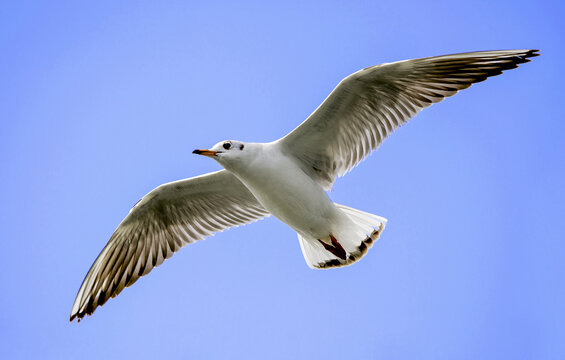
x: 288, y: 178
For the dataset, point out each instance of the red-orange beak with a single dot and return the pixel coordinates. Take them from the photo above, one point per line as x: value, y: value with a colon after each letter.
x: 209, y: 153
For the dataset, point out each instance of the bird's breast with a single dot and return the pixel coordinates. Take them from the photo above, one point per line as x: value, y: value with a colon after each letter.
x: 289, y: 194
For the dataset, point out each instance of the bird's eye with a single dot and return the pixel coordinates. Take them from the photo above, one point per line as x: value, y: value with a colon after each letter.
x: 241, y: 147
x: 227, y: 145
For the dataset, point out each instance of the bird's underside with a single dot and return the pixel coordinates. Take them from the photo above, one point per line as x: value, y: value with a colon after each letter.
x: 353, y: 121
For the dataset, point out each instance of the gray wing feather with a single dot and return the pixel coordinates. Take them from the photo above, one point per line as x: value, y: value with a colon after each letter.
x: 370, y: 104
x: 160, y: 224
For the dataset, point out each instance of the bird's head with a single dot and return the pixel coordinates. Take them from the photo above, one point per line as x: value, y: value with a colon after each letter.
x: 228, y: 152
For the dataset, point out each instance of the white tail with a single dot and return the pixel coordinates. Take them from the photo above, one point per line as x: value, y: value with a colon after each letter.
x: 356, y: 243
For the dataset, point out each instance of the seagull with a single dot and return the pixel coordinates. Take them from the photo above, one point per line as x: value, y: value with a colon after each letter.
x: 288, y: 178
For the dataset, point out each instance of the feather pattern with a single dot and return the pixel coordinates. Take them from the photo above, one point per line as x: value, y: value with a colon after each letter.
x: 168, y: 218
x: 370, y: 104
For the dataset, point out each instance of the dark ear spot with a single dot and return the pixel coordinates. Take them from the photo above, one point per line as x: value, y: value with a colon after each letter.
x: 241, y: 147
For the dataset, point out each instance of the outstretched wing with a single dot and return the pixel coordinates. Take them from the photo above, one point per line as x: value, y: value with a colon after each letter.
x: 370, y: 104
x: 162, y: 222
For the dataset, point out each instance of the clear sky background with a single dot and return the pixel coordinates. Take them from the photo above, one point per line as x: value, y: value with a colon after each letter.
x: 103, y: 101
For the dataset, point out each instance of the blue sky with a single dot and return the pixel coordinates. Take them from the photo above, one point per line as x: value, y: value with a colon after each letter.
x: 101, y: 102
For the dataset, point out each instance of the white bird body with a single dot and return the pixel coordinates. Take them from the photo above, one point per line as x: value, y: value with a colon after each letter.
x: 288, y: 177
x: 283, y: 189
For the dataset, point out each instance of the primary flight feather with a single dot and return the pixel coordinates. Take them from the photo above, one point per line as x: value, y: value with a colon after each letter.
x: 288, y: 177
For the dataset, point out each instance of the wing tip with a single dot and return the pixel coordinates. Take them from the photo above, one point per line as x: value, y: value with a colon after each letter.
x: 75, y: 311
x: 527, y: 55
x: 76, y: 315
x: 72, y: 317
x: 80, y: 314
x: 82, y: 308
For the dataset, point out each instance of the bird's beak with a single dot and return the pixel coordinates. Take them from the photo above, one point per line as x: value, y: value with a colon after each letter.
x: 209, y: 153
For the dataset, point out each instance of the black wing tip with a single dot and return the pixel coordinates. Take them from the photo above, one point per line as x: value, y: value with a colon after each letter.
x: 87, y: 310
x: 79, y: 315
x: 519, y: 56
x: 528, y: 54
x: 103, y: 297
